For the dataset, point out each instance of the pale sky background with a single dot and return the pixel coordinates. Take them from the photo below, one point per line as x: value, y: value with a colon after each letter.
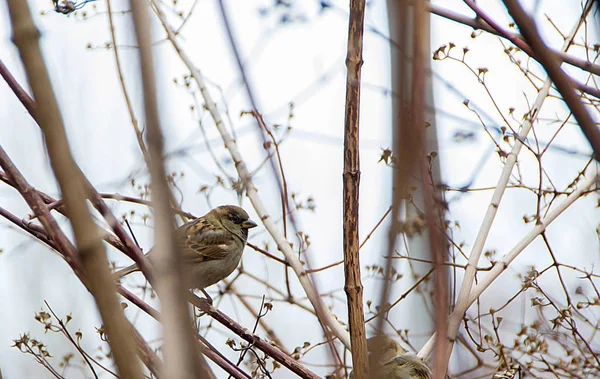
x: 301, y: 61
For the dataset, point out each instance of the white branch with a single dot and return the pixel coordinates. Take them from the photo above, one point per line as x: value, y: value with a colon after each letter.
x: 284, y: 246
x: 464, y: 296
x: 500, y: 266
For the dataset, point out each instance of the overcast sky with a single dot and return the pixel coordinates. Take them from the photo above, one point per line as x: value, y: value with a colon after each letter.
x: 294, y: 55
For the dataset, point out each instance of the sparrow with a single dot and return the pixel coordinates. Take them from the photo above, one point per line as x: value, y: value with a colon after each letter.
x: 210, y: 247
x: 388, y: 360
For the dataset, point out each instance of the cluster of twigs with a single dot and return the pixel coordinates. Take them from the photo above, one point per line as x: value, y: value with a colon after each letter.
x: 559, y: 340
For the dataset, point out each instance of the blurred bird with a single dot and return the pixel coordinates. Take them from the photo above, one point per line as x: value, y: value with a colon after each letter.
x: 388, y: 360
x: 210, y: 247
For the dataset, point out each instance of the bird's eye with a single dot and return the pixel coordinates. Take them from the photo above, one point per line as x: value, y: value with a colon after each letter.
x: 235, y: 218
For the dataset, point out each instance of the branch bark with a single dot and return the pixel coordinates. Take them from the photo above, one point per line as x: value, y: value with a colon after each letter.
x: 464, y: 296
x: 484, y: 22
x: 89, y: 245
x: 179, y: 345
x: 551, y: 64
x: 351, y: 181
x: 325, y: 316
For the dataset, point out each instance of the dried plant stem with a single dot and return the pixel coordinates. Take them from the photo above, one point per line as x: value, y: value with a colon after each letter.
x: 500, y: 266
x: 131, y: 249
x: 351, y: 181
x: 518, y: 41
x: 89, y: 245
x: 253, y: 339
x: 283, y: 244
x: 179, y: 346
x: 261, y: 321
x: 481, y: 23
x: 551, y: 64
x: 464, y: 296
x: 134, y: 121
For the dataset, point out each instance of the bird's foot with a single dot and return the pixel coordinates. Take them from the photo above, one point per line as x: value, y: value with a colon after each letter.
x: 208, y: 298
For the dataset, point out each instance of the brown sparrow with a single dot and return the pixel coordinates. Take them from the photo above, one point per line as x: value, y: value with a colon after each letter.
x: 211, y: 246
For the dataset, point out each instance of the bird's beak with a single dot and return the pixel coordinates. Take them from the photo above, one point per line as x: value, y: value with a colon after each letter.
x: 249, y: 224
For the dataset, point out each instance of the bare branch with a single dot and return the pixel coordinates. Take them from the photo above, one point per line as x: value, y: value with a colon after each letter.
x: 179, y: 344
x: 551, y: 64
x: 351, y: 178
x: 252, y: 192
x: 89, y: 244
x: 462, y: 303
x: 484, y: 22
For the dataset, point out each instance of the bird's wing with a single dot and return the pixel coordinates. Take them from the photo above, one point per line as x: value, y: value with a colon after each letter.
x: 200, y: 240
x: 414, y: 365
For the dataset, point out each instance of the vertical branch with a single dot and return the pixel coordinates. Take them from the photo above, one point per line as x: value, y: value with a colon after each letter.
x: 351, y: 179
x: 434, y: 220
x: 405, y: 131
x: 134, y: 121
x: 463, y: 301
x: 90, y: 248
x: 179, y: 344
x: 323, y: 313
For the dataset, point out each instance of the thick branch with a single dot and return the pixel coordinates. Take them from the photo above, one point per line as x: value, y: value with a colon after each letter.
x: 179, y: 345
x: 89, y: 244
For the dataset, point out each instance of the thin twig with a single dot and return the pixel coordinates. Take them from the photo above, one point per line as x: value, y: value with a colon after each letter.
x: 322, y: 314
x: 134, y: 121
x: 551, y: 64
x: 481, y: 23
x: 252, y: 192
x: 463, y: 301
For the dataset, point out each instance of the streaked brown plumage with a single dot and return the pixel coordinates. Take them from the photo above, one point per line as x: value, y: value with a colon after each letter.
x: 211, y: 246
x: 388, y: 360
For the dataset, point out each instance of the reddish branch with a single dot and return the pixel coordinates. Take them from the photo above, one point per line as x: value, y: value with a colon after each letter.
x: 253, y: 339
x: 551, y: 64
x: 129, y: 247
x: 484, y: 22
x: 54, y: 237
x: 132, y: 250
x: 351, y: 178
